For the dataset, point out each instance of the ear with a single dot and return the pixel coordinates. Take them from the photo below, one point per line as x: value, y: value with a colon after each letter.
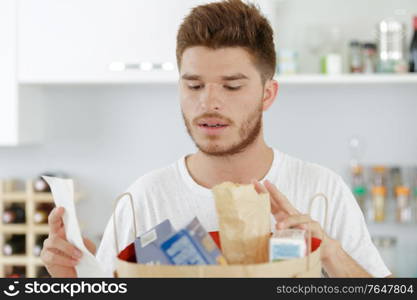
x: 270, y: 93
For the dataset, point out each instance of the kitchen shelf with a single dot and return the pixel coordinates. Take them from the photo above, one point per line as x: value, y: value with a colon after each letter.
x: 14, y: 197
x: 172, y: 78
x: 14, y: 260
x: 30, y: 229
x: 14, y: 228
x: 347, y: 79
x: 41, y: 229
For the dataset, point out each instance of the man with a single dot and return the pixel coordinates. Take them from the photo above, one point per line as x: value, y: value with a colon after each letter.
x: 226, y: 58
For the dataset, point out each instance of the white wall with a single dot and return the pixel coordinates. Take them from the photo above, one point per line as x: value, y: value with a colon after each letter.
x: 107, y: 136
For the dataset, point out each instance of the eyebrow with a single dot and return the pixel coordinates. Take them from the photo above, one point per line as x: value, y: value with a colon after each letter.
x: 226, y: 78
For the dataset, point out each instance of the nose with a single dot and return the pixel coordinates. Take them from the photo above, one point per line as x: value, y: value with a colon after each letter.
x: 210, y: 98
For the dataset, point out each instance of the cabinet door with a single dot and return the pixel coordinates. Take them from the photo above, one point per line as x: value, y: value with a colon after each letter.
x: 86, y: 41
x: 8, y: 85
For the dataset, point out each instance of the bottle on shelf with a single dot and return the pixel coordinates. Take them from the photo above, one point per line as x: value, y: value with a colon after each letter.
x: 15, y: 214
x: 403, y: 211
x: 359, y: 187
x: 331, y: 62
x: 414, y: 196
x: 379, y: 176
x: 414, y: 205
x: 391, y: 46
x: 396, y: 176
x: 15, y: 271
x: 37, y: 248
x: 355, y: 57
x: 41, y: 186
x: 369, y: 58
x: 42, y: 273
x: 413, y: 48
x: 396, y: 180
x: 15, y: 245
x: 379, y: 194
x: 42, y: 212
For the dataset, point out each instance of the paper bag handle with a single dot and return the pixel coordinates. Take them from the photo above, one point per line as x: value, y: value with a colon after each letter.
x: 309, y: 241
x: 116, y: 202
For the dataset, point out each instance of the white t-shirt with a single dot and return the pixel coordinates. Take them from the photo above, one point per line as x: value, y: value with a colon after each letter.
x: 171, y: 193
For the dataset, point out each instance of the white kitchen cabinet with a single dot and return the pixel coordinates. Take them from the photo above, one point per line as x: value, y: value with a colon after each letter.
x: 20, y: 118
x: 90, y: 41
x: 99, y: 41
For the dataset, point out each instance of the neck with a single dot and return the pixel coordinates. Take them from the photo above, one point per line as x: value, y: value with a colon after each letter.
x: 253, y: 162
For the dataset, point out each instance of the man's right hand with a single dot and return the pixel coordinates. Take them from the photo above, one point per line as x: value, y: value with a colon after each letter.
x: 59, y: 256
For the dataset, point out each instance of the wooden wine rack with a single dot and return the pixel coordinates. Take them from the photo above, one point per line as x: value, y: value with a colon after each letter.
x: 30, y: 229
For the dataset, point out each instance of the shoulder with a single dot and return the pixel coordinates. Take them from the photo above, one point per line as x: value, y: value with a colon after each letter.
x: 310, y: 172
x: 155, y: 180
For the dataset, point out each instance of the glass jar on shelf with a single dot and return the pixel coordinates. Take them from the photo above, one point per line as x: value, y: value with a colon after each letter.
x: 355, y: 57
x: 369, y: 58
x: 414, y: 196
x: 359, y: 187
x: 379, y: 176
x: 379, y: 195
x: 403, y: 210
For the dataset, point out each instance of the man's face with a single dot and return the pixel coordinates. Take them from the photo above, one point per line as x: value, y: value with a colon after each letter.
x: 221, y: 95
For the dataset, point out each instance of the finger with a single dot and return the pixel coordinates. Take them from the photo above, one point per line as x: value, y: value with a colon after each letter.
x: 293, y: 221
x: 62, y: 245
x: 280, y: 216
x: 55, y: 219
x: 50, y: 258
x: 90, y: 245
x: 260, y: 189
x: 278, y: 200
x: 301, y: 222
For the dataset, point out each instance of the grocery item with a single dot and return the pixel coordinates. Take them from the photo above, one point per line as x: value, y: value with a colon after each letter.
x: 287, y: 244
x: 205, y: 243
x: 192, y: 246
x: 244, y: 218
x: 147, y: 245
x: 308, y: 266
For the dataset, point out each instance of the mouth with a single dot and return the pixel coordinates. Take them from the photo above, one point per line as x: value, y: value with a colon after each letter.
x: 212, y: 128
x: 212, y: 125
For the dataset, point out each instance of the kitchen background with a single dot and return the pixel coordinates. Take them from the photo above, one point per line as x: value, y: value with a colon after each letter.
x: 89, y: 90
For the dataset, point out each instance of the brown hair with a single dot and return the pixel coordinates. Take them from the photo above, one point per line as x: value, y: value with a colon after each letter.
x: 230, y: 23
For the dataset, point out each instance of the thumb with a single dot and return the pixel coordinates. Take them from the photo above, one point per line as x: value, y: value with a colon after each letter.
x: 90, y: 245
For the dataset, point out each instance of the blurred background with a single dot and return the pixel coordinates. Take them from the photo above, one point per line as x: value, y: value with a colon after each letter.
x: 89, y: 91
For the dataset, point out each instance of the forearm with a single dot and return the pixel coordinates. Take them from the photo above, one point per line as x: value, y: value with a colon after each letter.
x: 337, y: 263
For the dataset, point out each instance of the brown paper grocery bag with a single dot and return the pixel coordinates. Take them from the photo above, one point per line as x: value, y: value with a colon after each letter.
x: 308, y: 266
x: 245, y: 222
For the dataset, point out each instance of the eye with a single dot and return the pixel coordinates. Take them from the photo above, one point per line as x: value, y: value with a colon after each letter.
x: 232, y: 88
x: 194, y: 87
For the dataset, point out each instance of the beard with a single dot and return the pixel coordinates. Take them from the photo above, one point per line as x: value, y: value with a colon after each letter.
x: 248, y: 133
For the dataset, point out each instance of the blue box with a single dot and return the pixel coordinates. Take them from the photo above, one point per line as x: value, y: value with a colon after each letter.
x: 147, y: 245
